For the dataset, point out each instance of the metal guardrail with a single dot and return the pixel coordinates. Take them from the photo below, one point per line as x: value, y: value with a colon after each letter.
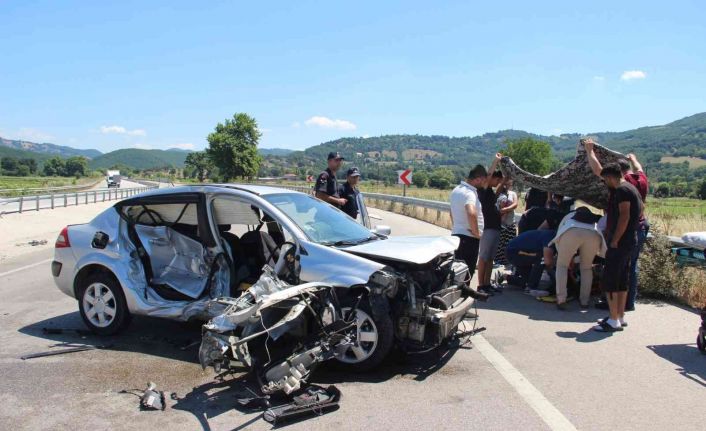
x: 56, y: 200
x: 32, y: 190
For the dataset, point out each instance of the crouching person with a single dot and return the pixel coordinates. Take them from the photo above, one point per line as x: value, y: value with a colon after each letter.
x: 531, y: 254
x: 577, y: 232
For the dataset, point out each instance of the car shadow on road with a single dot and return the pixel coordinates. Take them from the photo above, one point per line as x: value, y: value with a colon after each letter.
x: 690, y: 362
x: 147, y: 335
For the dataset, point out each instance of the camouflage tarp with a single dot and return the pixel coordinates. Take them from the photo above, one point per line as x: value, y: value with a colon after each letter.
x: 575, y: 179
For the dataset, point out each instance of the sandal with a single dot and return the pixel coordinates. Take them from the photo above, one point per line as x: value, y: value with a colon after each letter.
x: 605, y: 327
x: 623, y: 324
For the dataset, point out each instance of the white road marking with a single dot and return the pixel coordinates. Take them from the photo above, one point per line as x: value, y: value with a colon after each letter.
x: 549, y: 414
x: 22, y: 268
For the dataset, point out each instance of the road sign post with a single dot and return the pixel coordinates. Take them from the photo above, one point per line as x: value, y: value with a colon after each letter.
x: 404, y: 178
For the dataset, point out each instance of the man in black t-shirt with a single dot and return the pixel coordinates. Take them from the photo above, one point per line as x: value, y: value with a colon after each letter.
x: 490, y: 239
x: 326, y: 187
x: 624, y: 209
x: 349, y: 192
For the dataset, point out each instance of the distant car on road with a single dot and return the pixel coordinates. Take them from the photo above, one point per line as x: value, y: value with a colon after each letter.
x: 169, y: 252
x: 113, y: 178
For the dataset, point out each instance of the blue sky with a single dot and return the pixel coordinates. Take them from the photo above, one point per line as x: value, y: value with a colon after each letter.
x: 162, y: 74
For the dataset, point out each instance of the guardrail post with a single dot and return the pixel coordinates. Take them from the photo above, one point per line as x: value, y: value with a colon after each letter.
x: 76, y: 198
x: 85, y: 195
x: 22, y: 198
x: 103, y: 195
x: 65, y: 200
x: 52, y: 201
x: 37, y: 202
x: 95, y: 196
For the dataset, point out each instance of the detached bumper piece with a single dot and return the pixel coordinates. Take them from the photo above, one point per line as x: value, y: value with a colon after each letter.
x: 314, y: 401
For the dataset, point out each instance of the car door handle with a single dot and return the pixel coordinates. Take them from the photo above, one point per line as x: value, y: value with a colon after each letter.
x: 159, y: 241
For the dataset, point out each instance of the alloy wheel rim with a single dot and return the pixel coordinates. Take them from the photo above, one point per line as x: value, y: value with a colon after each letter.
x: 366, y: 338
x: 99, y: 305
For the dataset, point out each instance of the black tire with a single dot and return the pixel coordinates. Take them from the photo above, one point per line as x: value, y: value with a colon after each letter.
x: 106, y: 282
x: 385, y: 341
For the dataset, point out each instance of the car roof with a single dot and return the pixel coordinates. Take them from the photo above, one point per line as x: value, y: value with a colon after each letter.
x: 260, y: 190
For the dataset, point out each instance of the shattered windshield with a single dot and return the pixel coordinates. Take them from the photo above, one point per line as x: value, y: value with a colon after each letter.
x: 320, y: 221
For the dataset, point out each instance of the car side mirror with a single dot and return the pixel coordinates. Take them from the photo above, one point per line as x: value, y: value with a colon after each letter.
x: 382, y: 230
x: 100, y: 240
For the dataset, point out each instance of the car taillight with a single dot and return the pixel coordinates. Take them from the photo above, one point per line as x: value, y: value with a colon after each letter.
x: 62, y: 241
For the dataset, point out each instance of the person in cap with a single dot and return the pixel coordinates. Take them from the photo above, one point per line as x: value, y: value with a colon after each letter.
x: 326, y: 187
x: 349, y: 192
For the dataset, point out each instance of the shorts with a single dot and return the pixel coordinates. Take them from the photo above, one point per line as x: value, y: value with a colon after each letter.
x: 616, y: 274
x: 489, y: 243
x: 468, y: 252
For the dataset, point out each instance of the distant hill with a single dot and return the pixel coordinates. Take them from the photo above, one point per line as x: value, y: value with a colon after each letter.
x: 274, y: 151
x: 378, y: 157
x: 22, y: 154
x: 51, y: 149
x: 140, y: 159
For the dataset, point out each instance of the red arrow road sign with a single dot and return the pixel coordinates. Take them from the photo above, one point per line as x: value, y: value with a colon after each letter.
x: 405, y: 177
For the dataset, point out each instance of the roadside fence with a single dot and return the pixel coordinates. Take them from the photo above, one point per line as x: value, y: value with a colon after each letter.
x: 55, y: 200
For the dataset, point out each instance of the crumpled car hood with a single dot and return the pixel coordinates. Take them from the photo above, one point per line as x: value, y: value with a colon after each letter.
x: 412, y: 249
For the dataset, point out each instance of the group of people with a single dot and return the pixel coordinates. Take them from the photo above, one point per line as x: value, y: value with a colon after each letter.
x: 551, y: 237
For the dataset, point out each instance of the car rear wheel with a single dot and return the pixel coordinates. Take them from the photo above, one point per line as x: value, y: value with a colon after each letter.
x: 102, y: 305
x: 373, y: 339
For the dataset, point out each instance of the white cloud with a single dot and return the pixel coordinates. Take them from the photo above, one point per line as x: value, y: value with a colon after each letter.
x: 34, y: 135
x: 328, y: 123
x: 184, y: 146
x: 142, y: 146
x: 629, y: 75
x: 120, y: 130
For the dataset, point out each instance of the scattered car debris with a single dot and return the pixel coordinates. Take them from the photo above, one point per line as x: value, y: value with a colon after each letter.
x: 314, y: 401
x: 279, y: 331
x: 62, y: 351
x: 35, y: 242
x: 151, y: 399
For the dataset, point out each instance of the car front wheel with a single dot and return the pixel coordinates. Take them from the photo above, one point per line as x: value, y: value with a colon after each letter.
x: 102, y: 304
x: 373, y: 339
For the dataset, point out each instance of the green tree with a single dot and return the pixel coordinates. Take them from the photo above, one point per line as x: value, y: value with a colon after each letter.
x: 662, y: 190
x: 23, y: 171
x: 30, y: 163
x: 441, y: 178
x: 531, y: 155
x: 76, y: 166
x: 701, y: 192
x: 420, y: 179
x: 9, y: 165
x: 199, y: 163
x: 232, y: 147
x: 54, y: 167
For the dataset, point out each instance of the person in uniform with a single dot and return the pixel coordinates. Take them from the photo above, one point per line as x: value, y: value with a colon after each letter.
x: 349, y: 191
x: 326, y: 187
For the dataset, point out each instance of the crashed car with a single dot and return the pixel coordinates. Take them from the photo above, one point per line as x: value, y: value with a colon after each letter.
x: 169, y: 252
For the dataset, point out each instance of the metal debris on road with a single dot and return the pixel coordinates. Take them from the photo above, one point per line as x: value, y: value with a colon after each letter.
x: 61, y: 352
x: 315, y: 400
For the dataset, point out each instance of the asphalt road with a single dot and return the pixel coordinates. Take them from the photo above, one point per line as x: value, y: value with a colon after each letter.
x: 534, y: 368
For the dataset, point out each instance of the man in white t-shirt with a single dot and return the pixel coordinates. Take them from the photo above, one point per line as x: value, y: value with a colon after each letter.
x: 467, y: 219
